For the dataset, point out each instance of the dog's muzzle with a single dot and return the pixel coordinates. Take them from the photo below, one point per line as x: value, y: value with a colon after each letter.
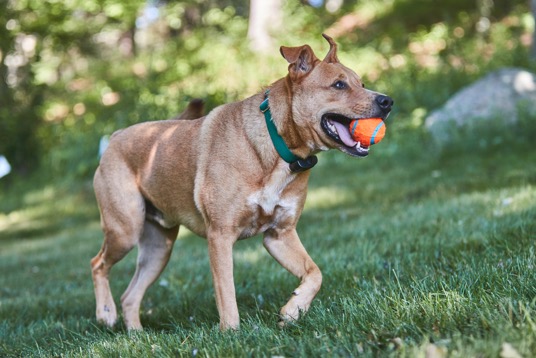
x: 336, y: 126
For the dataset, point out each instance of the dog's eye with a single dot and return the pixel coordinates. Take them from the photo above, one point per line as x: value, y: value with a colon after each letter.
x: 363, y: 85
x: 340, y: 85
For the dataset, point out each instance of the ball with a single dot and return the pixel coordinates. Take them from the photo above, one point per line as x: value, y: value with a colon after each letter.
x: 367, y: 131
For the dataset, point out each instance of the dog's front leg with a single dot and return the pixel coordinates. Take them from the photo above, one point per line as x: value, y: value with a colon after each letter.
x: 287, y: 249
x: 220, y: 250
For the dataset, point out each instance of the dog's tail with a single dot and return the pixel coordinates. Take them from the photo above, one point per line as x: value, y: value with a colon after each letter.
x: 194, y: 110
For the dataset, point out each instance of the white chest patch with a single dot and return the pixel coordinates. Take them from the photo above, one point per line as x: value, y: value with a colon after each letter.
x: 268, y: 205
x: 269, y: 196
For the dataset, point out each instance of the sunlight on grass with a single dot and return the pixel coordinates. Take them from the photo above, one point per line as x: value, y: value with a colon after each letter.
x: 450, y: 299
x: 30, y: 219
x: 184, y: 232
x: 251, y: 255
x: 326, y: 197
x: 511, y: 201
x: 10, y: 219
x: 25, y: 247
x: 39, y: 196
x: 34, y: 207
x: 45, y: 211
x: 40, y: 246
x: 458, y: 213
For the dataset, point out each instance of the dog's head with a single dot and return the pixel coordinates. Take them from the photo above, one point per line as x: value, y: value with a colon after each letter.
x: 327, y: 96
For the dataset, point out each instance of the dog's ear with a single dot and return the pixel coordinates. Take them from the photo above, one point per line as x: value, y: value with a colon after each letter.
x: 194, y: 110
x: 331, y: 57
x: 302, y: 60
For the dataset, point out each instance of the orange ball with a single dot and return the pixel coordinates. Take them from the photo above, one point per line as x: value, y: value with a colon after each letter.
x: 367, y: 131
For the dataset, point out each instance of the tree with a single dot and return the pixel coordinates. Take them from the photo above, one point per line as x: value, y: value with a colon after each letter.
x: 38, y: 40
x: 264, y: 18
x: 19, y: 100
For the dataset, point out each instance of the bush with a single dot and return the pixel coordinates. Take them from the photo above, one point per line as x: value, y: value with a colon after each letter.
x: 86, y: 80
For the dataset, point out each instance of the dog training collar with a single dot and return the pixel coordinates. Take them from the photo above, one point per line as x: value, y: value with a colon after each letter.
x: 296, y: 163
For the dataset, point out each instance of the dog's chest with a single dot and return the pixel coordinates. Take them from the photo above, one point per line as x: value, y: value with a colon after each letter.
x: 271, y: 205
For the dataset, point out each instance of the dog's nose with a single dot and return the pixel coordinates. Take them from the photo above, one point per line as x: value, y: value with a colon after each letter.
x: 385, y: 102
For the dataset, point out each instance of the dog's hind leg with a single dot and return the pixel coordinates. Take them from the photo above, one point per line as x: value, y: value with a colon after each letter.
x: 122, y: 216
x: 288, y: 250
x: 153, y: 255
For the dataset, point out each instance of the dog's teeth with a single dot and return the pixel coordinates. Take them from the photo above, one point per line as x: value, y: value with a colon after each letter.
x: 361, y: 148
x: 332, y: 127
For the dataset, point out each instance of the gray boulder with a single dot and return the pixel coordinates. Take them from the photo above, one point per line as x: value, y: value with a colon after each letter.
x: 500, y: 94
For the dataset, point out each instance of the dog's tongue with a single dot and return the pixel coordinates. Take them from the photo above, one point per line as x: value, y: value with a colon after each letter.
x: 344, y: 134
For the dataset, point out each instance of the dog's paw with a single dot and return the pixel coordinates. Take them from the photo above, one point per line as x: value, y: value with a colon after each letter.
x: 288, y: 314
x: 287, y: 320
x: 132, y: 323
x: 225, y: 327
x: 295, y: 307
x: 107, y: 315
x: 284, y: 322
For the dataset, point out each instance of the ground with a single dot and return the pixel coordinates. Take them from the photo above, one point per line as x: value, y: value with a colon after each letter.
x: 421, y: 249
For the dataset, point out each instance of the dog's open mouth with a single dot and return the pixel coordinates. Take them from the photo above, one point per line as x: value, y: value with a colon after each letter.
x: 336, y: 127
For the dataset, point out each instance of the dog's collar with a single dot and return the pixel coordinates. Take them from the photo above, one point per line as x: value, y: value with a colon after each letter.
x: 296, y: 164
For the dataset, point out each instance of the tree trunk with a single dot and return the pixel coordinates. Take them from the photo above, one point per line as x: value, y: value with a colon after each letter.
x: 264, y: 18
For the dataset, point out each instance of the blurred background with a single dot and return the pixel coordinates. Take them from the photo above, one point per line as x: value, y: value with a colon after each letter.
x: 72, y: 71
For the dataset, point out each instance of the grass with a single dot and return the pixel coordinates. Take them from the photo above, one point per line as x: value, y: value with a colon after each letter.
x: 420, y: 248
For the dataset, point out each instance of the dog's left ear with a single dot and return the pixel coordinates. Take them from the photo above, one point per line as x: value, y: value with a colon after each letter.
x: 331, y: 57
x: 302, y: 60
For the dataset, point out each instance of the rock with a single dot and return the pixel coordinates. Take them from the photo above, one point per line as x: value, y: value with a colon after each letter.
x: 500, y: 94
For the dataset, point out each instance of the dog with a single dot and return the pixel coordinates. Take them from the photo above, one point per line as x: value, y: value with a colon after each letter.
x: 240, y: 171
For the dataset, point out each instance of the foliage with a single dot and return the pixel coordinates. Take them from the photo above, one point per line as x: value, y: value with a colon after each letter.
x: 79, y: 69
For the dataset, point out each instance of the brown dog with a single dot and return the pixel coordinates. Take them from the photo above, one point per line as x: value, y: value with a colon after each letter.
x: 223, y: 176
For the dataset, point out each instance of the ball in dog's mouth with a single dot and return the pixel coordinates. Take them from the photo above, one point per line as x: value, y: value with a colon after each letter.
x: 367, y: 131
x: 337, y: 128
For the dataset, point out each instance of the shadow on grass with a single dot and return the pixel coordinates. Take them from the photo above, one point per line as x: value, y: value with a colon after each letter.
x: 46, y: 210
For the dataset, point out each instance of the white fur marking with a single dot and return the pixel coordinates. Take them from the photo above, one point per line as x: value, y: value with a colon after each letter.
x: 270, y: 196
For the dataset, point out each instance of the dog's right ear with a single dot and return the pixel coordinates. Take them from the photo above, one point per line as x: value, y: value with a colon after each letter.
x: 302, y: 60
x: 331, y: 57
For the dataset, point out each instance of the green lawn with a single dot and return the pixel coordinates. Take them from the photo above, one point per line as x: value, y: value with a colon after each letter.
x: 420, y: 249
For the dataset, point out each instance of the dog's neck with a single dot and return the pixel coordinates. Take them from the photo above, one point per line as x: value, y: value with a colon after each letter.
x: 282, y: 116
x: 296, y: 164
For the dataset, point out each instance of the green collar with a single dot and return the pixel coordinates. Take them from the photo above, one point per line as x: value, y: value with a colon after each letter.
x: 296, y: 164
